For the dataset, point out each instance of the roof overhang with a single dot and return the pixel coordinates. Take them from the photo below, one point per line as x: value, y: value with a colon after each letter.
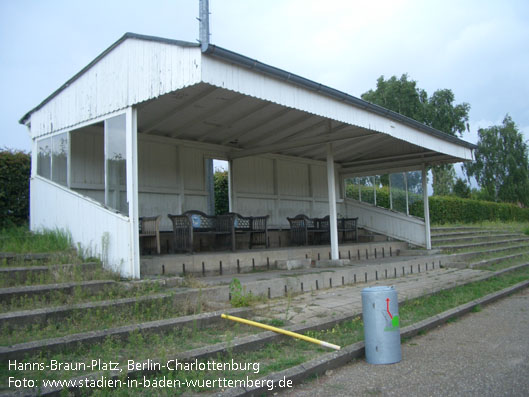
x: 251, y: 108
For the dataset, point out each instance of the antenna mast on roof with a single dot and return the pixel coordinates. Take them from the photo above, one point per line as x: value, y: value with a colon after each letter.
x: 203, y: 20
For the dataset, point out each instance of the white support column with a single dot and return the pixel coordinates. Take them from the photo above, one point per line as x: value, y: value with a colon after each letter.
x: 332, y: 202
x: 426, y: 208
x: 132, y: 189
x: 231, y: 193
x: 405, y: 175
x: 374, y: 190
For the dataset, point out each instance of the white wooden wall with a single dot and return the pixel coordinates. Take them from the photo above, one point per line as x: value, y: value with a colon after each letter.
x: 100, y: 232
x: 391, y: 223
x: 280, y: 187
x: 133, y: 72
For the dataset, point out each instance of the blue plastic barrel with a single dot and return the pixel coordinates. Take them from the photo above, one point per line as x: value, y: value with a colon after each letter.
x: 380, y: 308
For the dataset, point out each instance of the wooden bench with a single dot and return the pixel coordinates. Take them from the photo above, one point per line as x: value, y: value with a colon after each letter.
x: 188, y: 224
x: 255, y: 226
x: 348, y: 226
x: 304, y: 229
x: 150, y: 230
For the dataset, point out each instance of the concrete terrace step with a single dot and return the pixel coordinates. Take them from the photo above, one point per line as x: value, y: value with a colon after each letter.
x: 94, y: 286
x: 486, y: 237
x: 254, y: 342
x: 453, y: 228
x: 467, y: 233
x: 485, y: 244
x: 486, y: 262
x: 20, y: 350
x: 21, y: 273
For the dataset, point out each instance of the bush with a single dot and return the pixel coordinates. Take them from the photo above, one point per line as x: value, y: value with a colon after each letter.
x: 447, y: 209
x: 15, y: 169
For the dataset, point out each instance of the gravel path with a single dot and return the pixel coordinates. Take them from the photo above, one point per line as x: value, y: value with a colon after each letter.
x: 481, y: 354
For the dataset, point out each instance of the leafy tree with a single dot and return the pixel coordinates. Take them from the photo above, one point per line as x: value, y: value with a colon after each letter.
x: 443, y: 180
x: 438, y: 111
x: 220, y: 179
x: 400, y: 95
x: 461, y: 189
x: 501, y: 166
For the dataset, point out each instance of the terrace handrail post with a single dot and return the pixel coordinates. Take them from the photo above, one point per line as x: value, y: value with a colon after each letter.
x: 333, y: 224
x: 426, y: 208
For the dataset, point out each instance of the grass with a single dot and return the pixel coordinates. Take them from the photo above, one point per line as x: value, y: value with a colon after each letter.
x: 79, y: 295
x: 21, y: 240
x: 59, y: 274
x: 271, y: 357
x: 518, y: 227
x: 98, y: 319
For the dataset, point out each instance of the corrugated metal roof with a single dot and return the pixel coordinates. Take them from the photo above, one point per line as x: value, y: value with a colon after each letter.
x: 246, y: 62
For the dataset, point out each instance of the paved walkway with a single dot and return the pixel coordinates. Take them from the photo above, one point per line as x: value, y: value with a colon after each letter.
x: 341, y: 301
x: 481, y: 354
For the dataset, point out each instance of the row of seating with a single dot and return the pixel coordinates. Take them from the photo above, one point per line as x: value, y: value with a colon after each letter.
x: 303, y: 230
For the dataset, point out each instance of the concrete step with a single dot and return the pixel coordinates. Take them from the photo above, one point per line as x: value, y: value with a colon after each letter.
x: 465, y: 233
x: 483, y: 244
x: 475, y: 238
x: 442, y: 229
x: 21, y: 274
x: 94, y: 286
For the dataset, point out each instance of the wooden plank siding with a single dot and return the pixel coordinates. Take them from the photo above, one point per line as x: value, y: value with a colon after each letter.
x: 133, y: 72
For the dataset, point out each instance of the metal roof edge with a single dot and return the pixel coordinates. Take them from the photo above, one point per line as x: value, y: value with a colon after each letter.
x: 126, y: 36
x: 249, y: 63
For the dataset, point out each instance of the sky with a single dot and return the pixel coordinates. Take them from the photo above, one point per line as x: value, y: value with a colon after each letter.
x: 478, y: 49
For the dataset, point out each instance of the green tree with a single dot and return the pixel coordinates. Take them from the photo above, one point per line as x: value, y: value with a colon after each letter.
x: 220, y: 179
x: 438, y: 111
x: 443, y: 180
x: 461, y: 189
x: 501, y: 166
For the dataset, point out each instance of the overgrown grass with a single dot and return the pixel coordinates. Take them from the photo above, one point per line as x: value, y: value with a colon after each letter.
x: 98, y: 319
x: 79, y: 295
x: 59, y: 274
x: 21, y: 240
x: 517, y: 227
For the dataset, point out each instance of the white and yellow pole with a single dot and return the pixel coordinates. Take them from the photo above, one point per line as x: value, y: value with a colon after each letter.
x: 281, y: 331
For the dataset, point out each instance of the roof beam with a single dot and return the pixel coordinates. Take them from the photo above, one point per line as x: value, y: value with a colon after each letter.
x: 206, y: 114
x: 380, y: 166
x: 279, y: 133
x: 390, y: 158
x: 295, y: 143
x: 233, y: 122
x: 254, y: 126
x: 173, y: 112
x: 311, y: 150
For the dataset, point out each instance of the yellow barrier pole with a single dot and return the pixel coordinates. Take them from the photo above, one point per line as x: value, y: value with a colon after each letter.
x: 281, y: 331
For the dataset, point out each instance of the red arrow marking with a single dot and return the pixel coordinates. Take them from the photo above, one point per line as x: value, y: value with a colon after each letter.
x: 387, y: 302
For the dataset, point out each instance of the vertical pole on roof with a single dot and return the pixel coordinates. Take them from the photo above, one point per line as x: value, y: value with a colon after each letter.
x: 203, y: 20
x: 426, y: 208
x: 132, y: 189
x: 331, y: 184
